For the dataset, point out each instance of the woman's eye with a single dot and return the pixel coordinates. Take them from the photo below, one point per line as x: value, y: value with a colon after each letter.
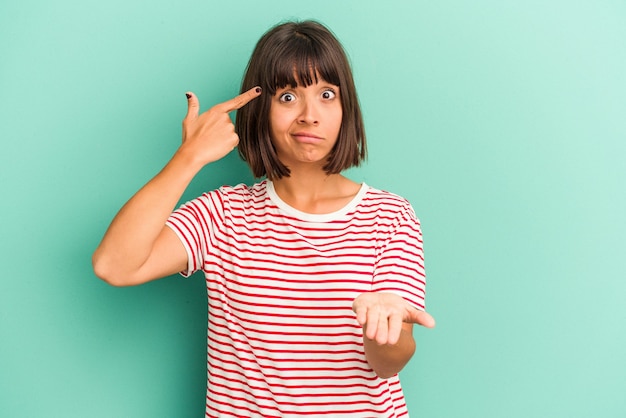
x: 328, y: 94
x: 287, y: 97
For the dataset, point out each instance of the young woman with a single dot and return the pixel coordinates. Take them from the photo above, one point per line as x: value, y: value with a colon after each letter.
x: 314, y: 281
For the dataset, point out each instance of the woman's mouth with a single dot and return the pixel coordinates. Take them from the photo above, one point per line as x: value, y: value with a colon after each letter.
x: 307, y: 137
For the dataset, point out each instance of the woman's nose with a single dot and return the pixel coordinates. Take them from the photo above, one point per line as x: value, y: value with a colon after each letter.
x: 308, y: 113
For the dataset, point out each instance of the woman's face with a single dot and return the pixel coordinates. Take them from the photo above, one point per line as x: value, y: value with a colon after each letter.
x: 305, y: 123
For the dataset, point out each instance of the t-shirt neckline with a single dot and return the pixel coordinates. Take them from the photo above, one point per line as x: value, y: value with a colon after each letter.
x: 315, y: 217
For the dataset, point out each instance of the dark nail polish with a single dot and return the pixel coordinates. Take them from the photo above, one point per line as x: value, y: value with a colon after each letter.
x: 258, y: 90
x: 188, y: 95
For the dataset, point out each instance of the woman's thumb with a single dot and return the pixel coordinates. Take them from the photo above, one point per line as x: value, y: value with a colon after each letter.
x: 422, y: 318
x: 193, y: 106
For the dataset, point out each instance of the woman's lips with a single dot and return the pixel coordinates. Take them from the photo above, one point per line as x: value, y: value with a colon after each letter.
x: 307, y: 137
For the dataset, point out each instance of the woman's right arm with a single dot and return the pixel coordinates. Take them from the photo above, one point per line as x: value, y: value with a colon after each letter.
x: 137, y: 246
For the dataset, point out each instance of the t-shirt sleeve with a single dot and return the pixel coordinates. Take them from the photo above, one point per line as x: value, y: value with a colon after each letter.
x: 193, y: 223
x: 400, y: 267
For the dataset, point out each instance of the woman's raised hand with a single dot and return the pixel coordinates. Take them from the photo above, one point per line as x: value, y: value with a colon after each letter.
x: 381, y: 314
x: 209, y: 136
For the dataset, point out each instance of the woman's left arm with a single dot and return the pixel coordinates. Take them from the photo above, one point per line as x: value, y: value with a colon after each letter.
x: 387, y: 320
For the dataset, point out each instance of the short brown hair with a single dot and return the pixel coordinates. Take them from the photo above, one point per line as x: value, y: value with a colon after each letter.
x: 286, y: 55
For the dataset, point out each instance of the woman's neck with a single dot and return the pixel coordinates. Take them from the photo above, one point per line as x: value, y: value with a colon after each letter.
x: 316, y: 192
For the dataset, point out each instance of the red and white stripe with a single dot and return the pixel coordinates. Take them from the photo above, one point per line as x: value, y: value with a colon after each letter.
x: 282, y: 338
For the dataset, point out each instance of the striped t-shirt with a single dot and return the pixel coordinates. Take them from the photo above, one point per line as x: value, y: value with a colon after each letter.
x: 283, y: 340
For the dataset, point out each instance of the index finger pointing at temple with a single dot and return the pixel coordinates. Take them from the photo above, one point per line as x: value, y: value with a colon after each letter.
x: 240, y: 101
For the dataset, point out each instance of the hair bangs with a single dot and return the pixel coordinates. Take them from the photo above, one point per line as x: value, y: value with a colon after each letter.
x: 301, y: 62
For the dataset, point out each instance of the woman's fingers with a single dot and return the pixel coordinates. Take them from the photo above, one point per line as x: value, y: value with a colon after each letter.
x: 420, y: 318
x: 382, y: 330
x: 209, y: 136
x: 193, y: 106
x: 382, y: 314
x: 237, y: 102
x: 372, y: 323
x: 240, y: 101
x: 382, y: 326
x: 395, y: 328
x: 361, y: 314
